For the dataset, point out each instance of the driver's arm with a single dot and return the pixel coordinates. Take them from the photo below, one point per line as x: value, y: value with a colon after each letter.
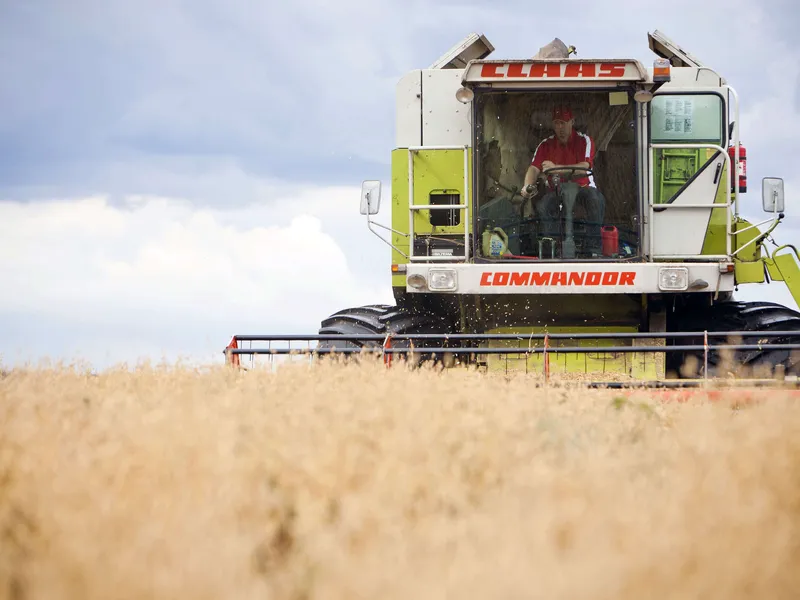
x: 535, y: 168
x: 530, y: 176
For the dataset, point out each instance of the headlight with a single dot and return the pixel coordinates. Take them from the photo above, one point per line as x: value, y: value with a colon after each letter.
x: 673, y: 278
x: 416, y: 281
x: 442, y: 279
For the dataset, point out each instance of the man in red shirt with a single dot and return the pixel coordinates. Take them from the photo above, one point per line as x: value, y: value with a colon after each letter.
x: 567, y: 148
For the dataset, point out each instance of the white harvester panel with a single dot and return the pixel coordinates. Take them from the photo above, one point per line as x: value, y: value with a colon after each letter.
x: 445, y: 120
x: 428, y: 112
x: 408, y: 122
x: 600, y: 278
x: 666, y: 48
x: 473, y: 47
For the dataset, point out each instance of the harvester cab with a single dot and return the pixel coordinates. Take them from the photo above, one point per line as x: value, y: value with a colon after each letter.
x: 559, y: 201
x: 544, y: 137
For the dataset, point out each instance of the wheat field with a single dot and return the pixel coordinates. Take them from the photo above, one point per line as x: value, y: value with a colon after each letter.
x: 331, y: 482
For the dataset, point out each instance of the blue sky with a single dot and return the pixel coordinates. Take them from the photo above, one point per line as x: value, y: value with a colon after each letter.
x: 176, y: 172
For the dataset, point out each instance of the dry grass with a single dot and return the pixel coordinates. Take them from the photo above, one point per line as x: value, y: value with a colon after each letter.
x: 360, y: 482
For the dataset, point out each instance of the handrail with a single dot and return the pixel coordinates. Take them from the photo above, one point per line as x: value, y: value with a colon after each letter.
x: 463, y: 207
x: 511, y: 350
x: 385, y: 344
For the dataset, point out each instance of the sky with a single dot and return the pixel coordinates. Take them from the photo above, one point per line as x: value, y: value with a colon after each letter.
x: 173, y: 173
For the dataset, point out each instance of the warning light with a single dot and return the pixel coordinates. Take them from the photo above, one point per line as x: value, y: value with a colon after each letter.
x: 661, y: 70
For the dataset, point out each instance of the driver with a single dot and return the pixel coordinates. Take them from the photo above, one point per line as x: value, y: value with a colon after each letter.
x: 567, y: 148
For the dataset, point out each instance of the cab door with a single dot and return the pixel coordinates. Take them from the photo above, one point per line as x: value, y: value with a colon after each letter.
x: 688, y: 174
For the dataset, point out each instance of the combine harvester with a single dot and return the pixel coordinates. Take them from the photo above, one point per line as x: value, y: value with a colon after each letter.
x: 616, y: 255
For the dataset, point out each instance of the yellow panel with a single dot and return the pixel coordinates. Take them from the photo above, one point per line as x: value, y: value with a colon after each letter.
x: 596, y: 365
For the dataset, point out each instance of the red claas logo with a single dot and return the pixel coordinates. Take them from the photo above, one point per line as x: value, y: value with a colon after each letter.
x: 553, y: 70
x: 584, y: 278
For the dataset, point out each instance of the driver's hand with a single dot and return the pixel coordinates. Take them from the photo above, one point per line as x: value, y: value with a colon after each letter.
x: 546, y: 165
x: 524, y: 191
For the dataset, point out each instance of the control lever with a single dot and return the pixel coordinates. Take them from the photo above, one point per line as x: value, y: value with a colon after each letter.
x: 552, y: 247
x: 557, y: 185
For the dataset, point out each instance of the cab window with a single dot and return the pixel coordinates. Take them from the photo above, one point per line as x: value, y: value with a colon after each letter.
x: 687, y: 118
x: 683, y: 119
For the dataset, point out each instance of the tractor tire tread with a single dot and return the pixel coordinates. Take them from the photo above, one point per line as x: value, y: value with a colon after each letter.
x: 743, y: 317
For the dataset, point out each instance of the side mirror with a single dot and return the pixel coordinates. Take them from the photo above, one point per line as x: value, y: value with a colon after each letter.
x: 772, y: 194
x: 370, y: 197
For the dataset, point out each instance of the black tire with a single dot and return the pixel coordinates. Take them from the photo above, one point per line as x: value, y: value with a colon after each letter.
x: 383, y: 319
x: 743, y: 317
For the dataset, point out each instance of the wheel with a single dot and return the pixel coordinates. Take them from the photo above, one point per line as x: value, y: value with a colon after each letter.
x: 383, y: 319
x: 740, y: 317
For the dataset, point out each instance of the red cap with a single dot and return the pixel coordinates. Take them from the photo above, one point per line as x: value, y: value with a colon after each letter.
x: 562, y: 113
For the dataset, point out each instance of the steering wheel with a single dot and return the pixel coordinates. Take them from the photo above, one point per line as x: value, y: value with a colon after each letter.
x: 559, y: 171
x: 531, y: 187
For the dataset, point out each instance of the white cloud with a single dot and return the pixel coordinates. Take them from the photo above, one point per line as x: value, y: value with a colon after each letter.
x: 161, y: 276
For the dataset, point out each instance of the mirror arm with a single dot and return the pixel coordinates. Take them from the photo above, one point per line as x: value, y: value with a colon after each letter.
x: 370, y: 223
x: 759, y: 239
